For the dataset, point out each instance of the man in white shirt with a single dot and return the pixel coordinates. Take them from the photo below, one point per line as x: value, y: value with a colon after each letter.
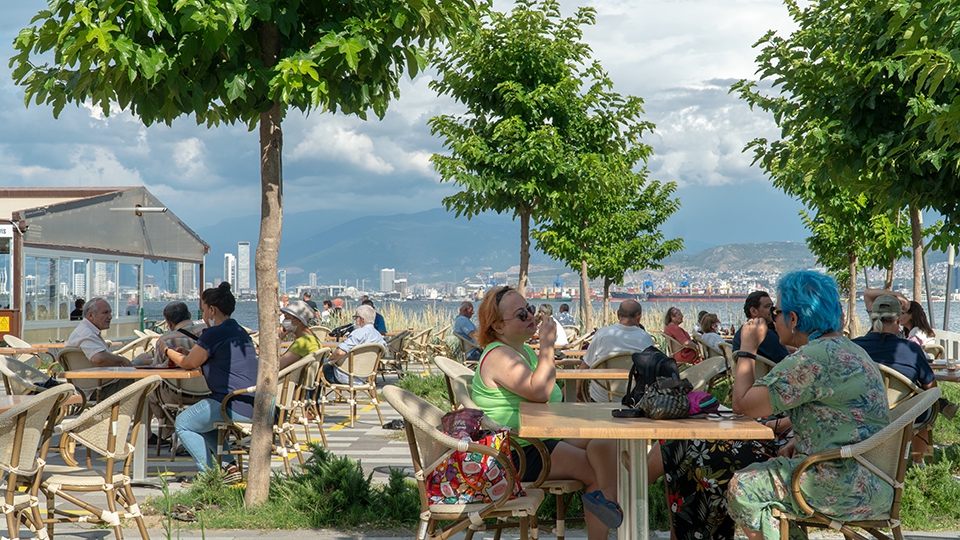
x: 363, y: 332
x: 97, y: 315
x: 627, y: 336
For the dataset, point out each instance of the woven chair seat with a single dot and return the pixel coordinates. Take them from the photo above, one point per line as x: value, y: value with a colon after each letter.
x: 79, y: 478
x: 558, y: 487
x: 528, y: 505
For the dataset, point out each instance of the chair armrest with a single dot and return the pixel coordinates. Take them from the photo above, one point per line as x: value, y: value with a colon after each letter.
x: 827, y: 455
x: 230, y: 397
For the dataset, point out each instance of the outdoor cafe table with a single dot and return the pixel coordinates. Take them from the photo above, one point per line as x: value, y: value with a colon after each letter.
x: 593, y: 421
x: 946, y: 375
x: 572, y: 375
x: 140, y: 452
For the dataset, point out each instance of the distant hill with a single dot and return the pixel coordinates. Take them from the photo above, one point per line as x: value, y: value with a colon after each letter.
x: 765, y: 257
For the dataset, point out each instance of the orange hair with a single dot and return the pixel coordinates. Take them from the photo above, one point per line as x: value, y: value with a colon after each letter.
x: 489, y: 314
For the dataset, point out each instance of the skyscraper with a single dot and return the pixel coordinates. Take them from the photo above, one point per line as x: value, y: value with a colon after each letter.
x: 387, y: 276
x: 313, y: 280
x: 282, y: 280
x: 243, y: 267
x: 173, y: 278
x: 230, y: 269
x: 187, y: 280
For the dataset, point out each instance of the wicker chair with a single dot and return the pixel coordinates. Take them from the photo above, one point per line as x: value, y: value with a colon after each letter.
x: 614, y: 389
x: 762, y: 366
x: 137, y: 347
x: 459, y: 384
x: 21, y: 379
x: 885, y: 454
x: 108, y: 428
x: 284, y: 426
x: 705, y: 374
x: 418, y: 348
x: 23, y: 429
x: 427, y: 445
x: 934, y: 351
x: 393, y: 361
x: 361, y: 364
x: 321, y: 332
x: 899, y: 390
x: 573, y: 332
x: 188, y: 392
x: 72, y: 358
x: 31, y: 359
x: 307, y: 411
x: 466, y: 346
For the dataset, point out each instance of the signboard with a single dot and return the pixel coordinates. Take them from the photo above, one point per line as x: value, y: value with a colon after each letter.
x: 5, y: 323
x: 6, y: 230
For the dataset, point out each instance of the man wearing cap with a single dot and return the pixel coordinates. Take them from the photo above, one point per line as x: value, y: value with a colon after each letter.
x: 299, y: 314
x: 885, y: 346
x: 363, y: 333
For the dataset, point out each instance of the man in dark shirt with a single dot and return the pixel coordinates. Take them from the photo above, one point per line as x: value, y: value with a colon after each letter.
x: 378, y: 323
x: 313, y: 305
x: 759, y: 304
x: 885, y: 346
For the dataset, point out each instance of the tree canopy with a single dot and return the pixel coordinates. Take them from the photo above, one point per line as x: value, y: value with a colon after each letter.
x: 234, y: 61
x: 522, y: 144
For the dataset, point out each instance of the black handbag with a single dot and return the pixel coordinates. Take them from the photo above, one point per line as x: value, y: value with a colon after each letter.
x: 666, y: 399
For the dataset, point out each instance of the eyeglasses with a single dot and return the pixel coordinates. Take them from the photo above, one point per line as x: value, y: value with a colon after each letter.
x: 774, y: 311
x: 530, y: 311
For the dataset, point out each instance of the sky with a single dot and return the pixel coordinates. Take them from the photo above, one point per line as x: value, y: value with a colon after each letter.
x: 680, y: 56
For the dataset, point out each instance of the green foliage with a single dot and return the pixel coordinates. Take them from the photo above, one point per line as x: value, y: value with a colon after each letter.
x: 329, y: 491
x: 948, y: 431
x: 930, y: 497
x: 432, y: 388
x: 161, y: 59
x: 845, y: 95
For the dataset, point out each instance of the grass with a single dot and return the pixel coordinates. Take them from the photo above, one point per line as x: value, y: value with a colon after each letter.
x: 432, y: 388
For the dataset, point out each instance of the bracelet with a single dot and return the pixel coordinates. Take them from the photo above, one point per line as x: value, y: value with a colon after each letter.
x: 745, y: 354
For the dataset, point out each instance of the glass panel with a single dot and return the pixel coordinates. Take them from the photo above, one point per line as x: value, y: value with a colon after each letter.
x: 78, y: 278
x: 130, y: 288
x: 65, y: 290
x: 46, y: 289
x: 104, y: 282
x: 30, y: 288
x: 6, y: 272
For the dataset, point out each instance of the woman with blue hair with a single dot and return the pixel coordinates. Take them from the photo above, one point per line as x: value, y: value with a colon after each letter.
x: 832, y: 393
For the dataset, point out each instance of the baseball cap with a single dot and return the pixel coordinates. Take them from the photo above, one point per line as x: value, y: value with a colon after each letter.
x: 887, y: 304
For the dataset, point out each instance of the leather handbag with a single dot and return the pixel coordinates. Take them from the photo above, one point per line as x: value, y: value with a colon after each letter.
x: 666, y: 399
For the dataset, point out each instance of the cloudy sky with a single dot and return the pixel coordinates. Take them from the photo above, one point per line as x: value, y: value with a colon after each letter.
x: 681, y: 56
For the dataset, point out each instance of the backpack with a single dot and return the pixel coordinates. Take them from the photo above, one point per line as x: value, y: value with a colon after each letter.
x: 648, y: 365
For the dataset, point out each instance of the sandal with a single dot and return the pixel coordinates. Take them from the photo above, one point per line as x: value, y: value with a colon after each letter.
x: 608, y: 512
x: 231, y: 474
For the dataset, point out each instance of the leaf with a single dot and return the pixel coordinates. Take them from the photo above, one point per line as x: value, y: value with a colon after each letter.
x: 349, y: 48
x: 236, y: 87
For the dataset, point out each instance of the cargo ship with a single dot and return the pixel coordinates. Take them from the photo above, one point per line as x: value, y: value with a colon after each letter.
x: 694, y: 297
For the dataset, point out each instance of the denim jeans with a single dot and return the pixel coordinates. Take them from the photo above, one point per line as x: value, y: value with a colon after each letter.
x: 195, y: 429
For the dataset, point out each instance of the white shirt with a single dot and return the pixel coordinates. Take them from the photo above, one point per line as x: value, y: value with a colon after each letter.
x: 365, y: 334
x: 611, y: 340
x: 712, y: 339
x: 87, y: 337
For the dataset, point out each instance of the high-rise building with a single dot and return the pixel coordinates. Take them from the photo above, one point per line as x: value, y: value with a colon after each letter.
x: 312, y: 280
x: 282, y: 280
x: 187, y: 280
x: 387, y: 276
x: 243, y: 267
x: 173, y: 278
x: 79, y: 278
x: 230, y: 269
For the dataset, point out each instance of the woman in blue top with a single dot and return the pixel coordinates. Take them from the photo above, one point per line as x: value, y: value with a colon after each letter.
x: 511, y: 373
x: 228, y: 359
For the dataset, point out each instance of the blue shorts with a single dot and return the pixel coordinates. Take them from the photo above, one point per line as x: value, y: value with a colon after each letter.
x: 533, y: 458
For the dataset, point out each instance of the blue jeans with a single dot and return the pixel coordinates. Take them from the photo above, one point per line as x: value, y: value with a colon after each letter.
x: 196, y: 431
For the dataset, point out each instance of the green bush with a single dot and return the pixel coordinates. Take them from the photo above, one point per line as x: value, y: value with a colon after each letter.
x: 432, y: 388
x: 930, y: 497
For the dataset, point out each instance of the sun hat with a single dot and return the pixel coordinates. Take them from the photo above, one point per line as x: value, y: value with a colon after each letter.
x: 300, y: 310
x: 887, y: 305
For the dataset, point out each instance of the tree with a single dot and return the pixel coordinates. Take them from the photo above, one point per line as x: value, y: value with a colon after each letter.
x: 227, y: 61
x: 844, y: 102
x: 519, y: 78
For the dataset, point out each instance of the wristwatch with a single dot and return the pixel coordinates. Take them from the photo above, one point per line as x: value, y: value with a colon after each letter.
x: 745, y: 354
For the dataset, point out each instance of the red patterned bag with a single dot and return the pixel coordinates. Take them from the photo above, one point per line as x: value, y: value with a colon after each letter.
x: 471, y: 477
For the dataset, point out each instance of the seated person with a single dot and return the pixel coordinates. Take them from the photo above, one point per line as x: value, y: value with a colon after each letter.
x: 327, y: 311
x: 97, y: 315
x: 564, y: 317
x: 916, y: 326
x: 710, y: 325
x: 885, y: 346
x: 465, y: 329
x: 627, y: 336
x: 758, y: 304
x: 363, y: 332
x: 510, y: 373
x: 689, y: 352
x: 299, y: 314
x: 378, y: 322
x: 226, y: 355
x: 77, y: 313
x: 832, y: 393
x: 697, y: 328
x: 182, y: 336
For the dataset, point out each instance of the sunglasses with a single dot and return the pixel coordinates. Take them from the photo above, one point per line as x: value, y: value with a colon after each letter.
x: 523, y: 315
x: 774, y: 311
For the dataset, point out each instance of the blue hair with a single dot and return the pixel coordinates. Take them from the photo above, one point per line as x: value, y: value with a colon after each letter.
x: 815, y: 298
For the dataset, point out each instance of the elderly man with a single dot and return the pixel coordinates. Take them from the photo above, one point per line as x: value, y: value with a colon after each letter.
x: 885, y: 346
x: 363, y: 333
x: 464, y: 328
x: 759, y: 304
x: 627, y: 336
x: 565, y: 318
x: 97, y: 315
x: 182, y: 336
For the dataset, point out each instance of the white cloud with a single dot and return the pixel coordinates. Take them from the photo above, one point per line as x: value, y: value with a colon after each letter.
x: 326, y: 140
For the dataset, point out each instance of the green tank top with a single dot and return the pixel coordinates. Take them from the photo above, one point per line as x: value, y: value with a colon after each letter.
x: 500, y: 404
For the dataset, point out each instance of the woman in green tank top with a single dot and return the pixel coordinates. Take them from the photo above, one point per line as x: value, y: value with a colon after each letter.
x: 510, y: 373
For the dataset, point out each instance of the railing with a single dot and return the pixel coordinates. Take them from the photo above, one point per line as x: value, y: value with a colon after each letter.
x: 950, y: 341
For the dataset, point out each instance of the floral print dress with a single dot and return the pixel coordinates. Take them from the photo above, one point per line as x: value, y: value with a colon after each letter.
x: 834, y: 395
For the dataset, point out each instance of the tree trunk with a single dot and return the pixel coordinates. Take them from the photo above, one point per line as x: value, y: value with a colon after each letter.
x: 606, y: 302
x: 888, y: 280
x: 866, y: 278
x: 917, y: 237
x: 586, y: 309
x: 852, y: 294
x: 524, y: 250
x: 268, y: 248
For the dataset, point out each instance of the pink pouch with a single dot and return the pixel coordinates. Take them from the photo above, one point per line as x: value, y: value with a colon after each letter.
x: 702, y: 402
